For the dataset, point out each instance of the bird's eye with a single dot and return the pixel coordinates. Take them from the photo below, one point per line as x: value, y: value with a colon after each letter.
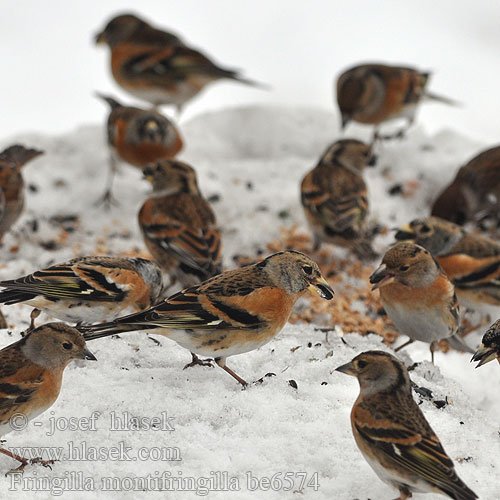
x: 308, y: 269
x: 67, y: 345
x: 404, y: 268
x: 361, y: 363
x: 425, y: 229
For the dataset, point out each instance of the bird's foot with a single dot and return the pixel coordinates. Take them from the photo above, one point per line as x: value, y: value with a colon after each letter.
x: 199, y: 362
x: 107, y: 200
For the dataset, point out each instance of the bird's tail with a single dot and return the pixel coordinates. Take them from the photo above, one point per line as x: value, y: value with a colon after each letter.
x: 19, y: 154
x: 92, y: 332
x: 113, y: 103
x: 457, y: 342
x: 445, y: 100
x: 9, y: 297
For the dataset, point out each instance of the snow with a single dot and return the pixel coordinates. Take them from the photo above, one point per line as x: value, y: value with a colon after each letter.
x: 253, y: 158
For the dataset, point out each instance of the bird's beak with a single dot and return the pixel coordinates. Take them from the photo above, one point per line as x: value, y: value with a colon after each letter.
x: 405, y: 233
x: 348, y: 369
x: 86, y: 354
x: 321, y: 287
x: 485, y: 355
x: 100, y: 38
x: 151, y: 128
x: 147, y: 172
x: 381, y: 277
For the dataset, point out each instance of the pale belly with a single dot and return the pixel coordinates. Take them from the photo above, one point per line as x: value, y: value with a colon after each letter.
x: 158, y: 96
x: 78, y: 312
x: 426, y: 326
x: 215, y: 344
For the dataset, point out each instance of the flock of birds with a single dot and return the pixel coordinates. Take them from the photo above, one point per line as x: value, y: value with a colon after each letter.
x: 220, y: 314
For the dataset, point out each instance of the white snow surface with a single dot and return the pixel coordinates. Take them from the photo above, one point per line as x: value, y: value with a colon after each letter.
x: 254, y: 159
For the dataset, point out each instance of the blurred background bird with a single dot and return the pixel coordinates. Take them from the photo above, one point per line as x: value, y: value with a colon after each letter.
x: 12, y: 160
x: 157, y: 66
x: 471, y: 261
x: 474, y: 194
x: 138, y: 137
x: 335, y: 198
x: 393, y: 434
x: 179, y: 226
x: 372, y: 94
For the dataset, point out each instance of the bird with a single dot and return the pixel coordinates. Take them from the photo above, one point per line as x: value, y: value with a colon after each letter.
x: 490, y: 346
x: 87, y: 289
x: 335, y: 199
x: 474, y: 194
x: 417, y: 296
x: 138, y: 137
x: 375, y: 93
x: 179, y: 226
x: 471, y: 261
x: 156, y: 66
x: 12, y: 159
x: 232, y: 313
x: 393, y: 434
x: 31, y: 373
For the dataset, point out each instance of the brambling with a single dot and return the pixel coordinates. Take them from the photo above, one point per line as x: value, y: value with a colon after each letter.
x: 232, y: 313
x: 490, y: 346
x: 374, y: 93
x: 178, y: 224
x: 12, y: 184
x: 87, y: 289
x: 138, y: 137
x: 335, y: 199
x: 471, y: 261
x: 156, y: 66
x: 31, y: 373
x: 475, y: 192
x: 417, y: 295
x: 393, y: 434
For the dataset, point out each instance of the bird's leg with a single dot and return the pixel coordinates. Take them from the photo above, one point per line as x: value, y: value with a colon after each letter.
x: 222, y: 363
x: 3, y: 321
x: 178, y: 112
x: 200, y: 362
x: 25, y: 461
x: 404, y: 494
x: 316, y: 242
x: 404, y: 345
x: 107, y: 198
x: 34, y: 314
x: 433, y: 348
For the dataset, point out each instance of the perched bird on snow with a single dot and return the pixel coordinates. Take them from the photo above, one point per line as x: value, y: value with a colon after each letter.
x: 12, y: 160
x: 471, y: 261
x: 138, y: 137
x: 232, y: 313
x: 490, y: 346
x: 475, y: 192
x: 393, y: 434
x: 417, y: 296
x: 178, y: 224
x: 87, y: 289
x: 335, y: 198
x: 375, y: 93
x: 31, y: 373
x: 156, y: 66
